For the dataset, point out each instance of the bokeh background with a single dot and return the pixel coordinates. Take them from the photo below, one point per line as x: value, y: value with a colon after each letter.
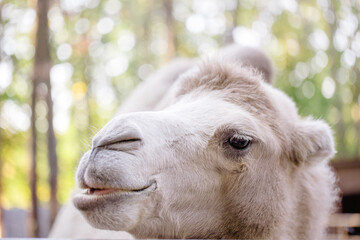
x: 67, y: 65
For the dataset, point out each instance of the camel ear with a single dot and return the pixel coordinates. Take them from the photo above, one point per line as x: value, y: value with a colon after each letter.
x: 312, y: 143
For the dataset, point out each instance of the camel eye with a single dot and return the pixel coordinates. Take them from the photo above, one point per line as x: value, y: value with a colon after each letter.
x: 239, y: 142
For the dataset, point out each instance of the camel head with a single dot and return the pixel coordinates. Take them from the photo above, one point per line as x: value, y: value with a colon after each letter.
x: 222, y: 159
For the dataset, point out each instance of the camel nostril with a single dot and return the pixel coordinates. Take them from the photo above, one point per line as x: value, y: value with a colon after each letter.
x: 124, y: 145
x: 124, y: 141
x: 112, y: 136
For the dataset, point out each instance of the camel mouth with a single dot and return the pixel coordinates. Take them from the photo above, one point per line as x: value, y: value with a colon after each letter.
x: 104, y: 191
x: 91, y: 197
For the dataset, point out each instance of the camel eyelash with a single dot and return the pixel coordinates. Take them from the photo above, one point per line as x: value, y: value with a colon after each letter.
x: 227, y: 134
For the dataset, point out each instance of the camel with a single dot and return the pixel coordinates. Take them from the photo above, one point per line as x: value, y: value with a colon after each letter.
x: 225, y: 155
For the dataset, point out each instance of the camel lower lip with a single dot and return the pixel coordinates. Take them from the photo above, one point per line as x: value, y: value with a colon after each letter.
x: 91, y: 198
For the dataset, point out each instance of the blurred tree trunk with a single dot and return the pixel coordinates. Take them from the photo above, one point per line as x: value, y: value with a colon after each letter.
x: 53, y: 162
x: 171, y: 40
x: 42, y: 76
x: 33, y: 176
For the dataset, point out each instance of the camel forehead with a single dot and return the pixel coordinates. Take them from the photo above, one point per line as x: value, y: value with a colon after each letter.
x: 209, y: 108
